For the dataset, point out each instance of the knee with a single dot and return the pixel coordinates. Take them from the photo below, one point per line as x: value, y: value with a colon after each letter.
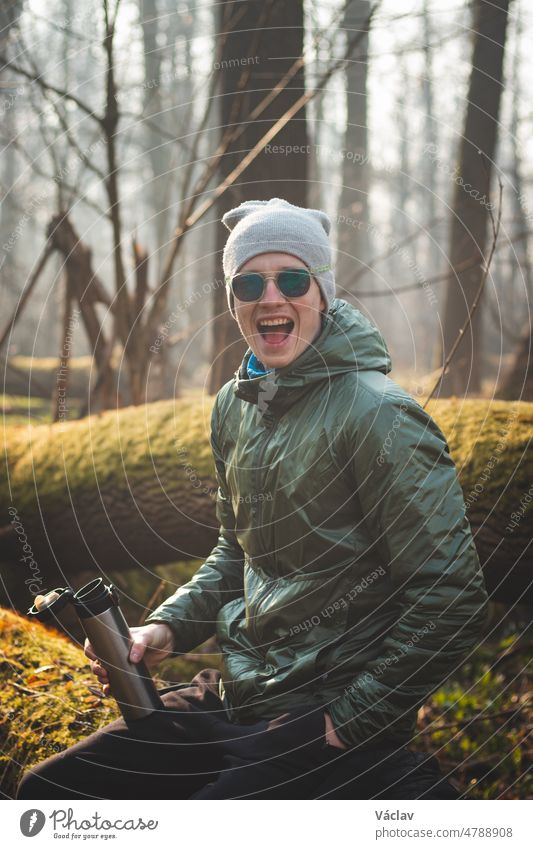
x: 30, y: 786
x: 42, y: 781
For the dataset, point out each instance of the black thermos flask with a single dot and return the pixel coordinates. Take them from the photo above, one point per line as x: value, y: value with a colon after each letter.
x: 104, y: 624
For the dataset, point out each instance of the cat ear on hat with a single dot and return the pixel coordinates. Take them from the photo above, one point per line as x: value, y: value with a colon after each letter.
x: 322, y: 217
x: 233, y: 216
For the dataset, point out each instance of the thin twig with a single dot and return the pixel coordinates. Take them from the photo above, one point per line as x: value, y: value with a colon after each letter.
x: 48, y: 87
x: 72, y: 189
x: 439, y: 278
x: 422, y: 230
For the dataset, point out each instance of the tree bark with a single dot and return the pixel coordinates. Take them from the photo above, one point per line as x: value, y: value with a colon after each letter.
x: 9, y: 167
x: 517, y: 382
x: 353, y: 242
x: 470, y: 214
x: 86, y: 289
x: 137, y: 489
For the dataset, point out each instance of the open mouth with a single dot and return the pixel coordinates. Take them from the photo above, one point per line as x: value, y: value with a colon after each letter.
x: 275, y: 331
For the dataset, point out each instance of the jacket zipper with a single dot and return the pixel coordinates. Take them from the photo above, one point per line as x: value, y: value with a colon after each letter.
x: 269, y: 420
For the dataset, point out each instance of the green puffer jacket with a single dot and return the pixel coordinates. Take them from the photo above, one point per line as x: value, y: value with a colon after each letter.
x: 345, y: 573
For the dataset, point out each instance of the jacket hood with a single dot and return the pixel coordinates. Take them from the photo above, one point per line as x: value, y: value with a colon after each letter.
x: 347, y: 342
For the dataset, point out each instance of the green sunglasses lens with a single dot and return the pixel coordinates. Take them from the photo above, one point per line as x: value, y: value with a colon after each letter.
x: 248, y: 287
x: 294, y: 283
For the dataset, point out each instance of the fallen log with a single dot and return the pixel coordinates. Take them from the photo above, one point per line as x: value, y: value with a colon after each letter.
x: 38, y: 376
x: 136, y: 489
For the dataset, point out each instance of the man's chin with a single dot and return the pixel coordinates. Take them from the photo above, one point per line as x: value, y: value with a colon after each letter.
x: 278, y: 360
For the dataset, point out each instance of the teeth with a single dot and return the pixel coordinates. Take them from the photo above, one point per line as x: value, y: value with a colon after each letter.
x: 272, y: 321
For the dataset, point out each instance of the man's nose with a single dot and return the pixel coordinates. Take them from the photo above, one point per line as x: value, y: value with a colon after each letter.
x: 271, y: 293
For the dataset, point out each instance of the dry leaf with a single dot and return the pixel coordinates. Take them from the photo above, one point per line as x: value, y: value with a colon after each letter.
x: 41, y: 680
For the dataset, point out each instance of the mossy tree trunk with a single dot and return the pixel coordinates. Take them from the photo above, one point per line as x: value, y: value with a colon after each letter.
x: 137, y: 489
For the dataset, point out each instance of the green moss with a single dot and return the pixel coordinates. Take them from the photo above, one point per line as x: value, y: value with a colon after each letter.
x: 490, y: 444
x: 53, y: 463
x: 47, y: 364
x: 12, y: 404
x: 50, y: 699
x: 47, y: 701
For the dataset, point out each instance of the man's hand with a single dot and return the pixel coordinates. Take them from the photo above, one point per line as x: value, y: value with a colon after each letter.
x: 331, y: 735
x: 151, y: 642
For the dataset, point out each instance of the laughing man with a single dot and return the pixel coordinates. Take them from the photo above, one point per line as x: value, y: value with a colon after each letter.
x: 344, y: 587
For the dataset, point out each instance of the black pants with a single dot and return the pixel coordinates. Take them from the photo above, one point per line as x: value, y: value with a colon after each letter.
x: 191, y: 751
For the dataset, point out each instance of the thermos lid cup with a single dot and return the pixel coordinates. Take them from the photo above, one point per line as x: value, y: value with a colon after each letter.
x: 94, y: 598
x: 50, y: 610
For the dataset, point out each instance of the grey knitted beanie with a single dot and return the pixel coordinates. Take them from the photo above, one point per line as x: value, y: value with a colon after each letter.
x: 275, y: 225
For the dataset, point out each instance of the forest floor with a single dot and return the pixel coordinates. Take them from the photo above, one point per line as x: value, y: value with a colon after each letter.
x: 478, y: 724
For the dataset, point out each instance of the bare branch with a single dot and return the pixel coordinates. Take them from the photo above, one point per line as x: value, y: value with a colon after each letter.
x: 394, y: 248
x: 62, y: 28
x: 411, y: 287
x: 7, y: 63
x: 68, y: 134
x: 73, y: 189
x: 214, y: 79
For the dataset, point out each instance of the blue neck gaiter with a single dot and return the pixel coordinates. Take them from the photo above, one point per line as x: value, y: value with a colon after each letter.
x: 255, y: 367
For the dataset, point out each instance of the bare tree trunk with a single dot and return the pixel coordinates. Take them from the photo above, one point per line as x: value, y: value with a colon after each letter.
x: 158, y: 148
x: 316, y: 114
x: 9, y: 14
x: 470, y: 215
x: 85, y: 288
x: 518, y: 381
x: 353, y: 242
x: 250, y: 66
x: 433, y: 228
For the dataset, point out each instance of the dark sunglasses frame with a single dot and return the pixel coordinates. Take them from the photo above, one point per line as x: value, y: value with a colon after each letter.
x: 289, y: 287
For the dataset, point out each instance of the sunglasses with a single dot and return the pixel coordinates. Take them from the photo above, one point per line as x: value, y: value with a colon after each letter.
x: 291, y: 282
